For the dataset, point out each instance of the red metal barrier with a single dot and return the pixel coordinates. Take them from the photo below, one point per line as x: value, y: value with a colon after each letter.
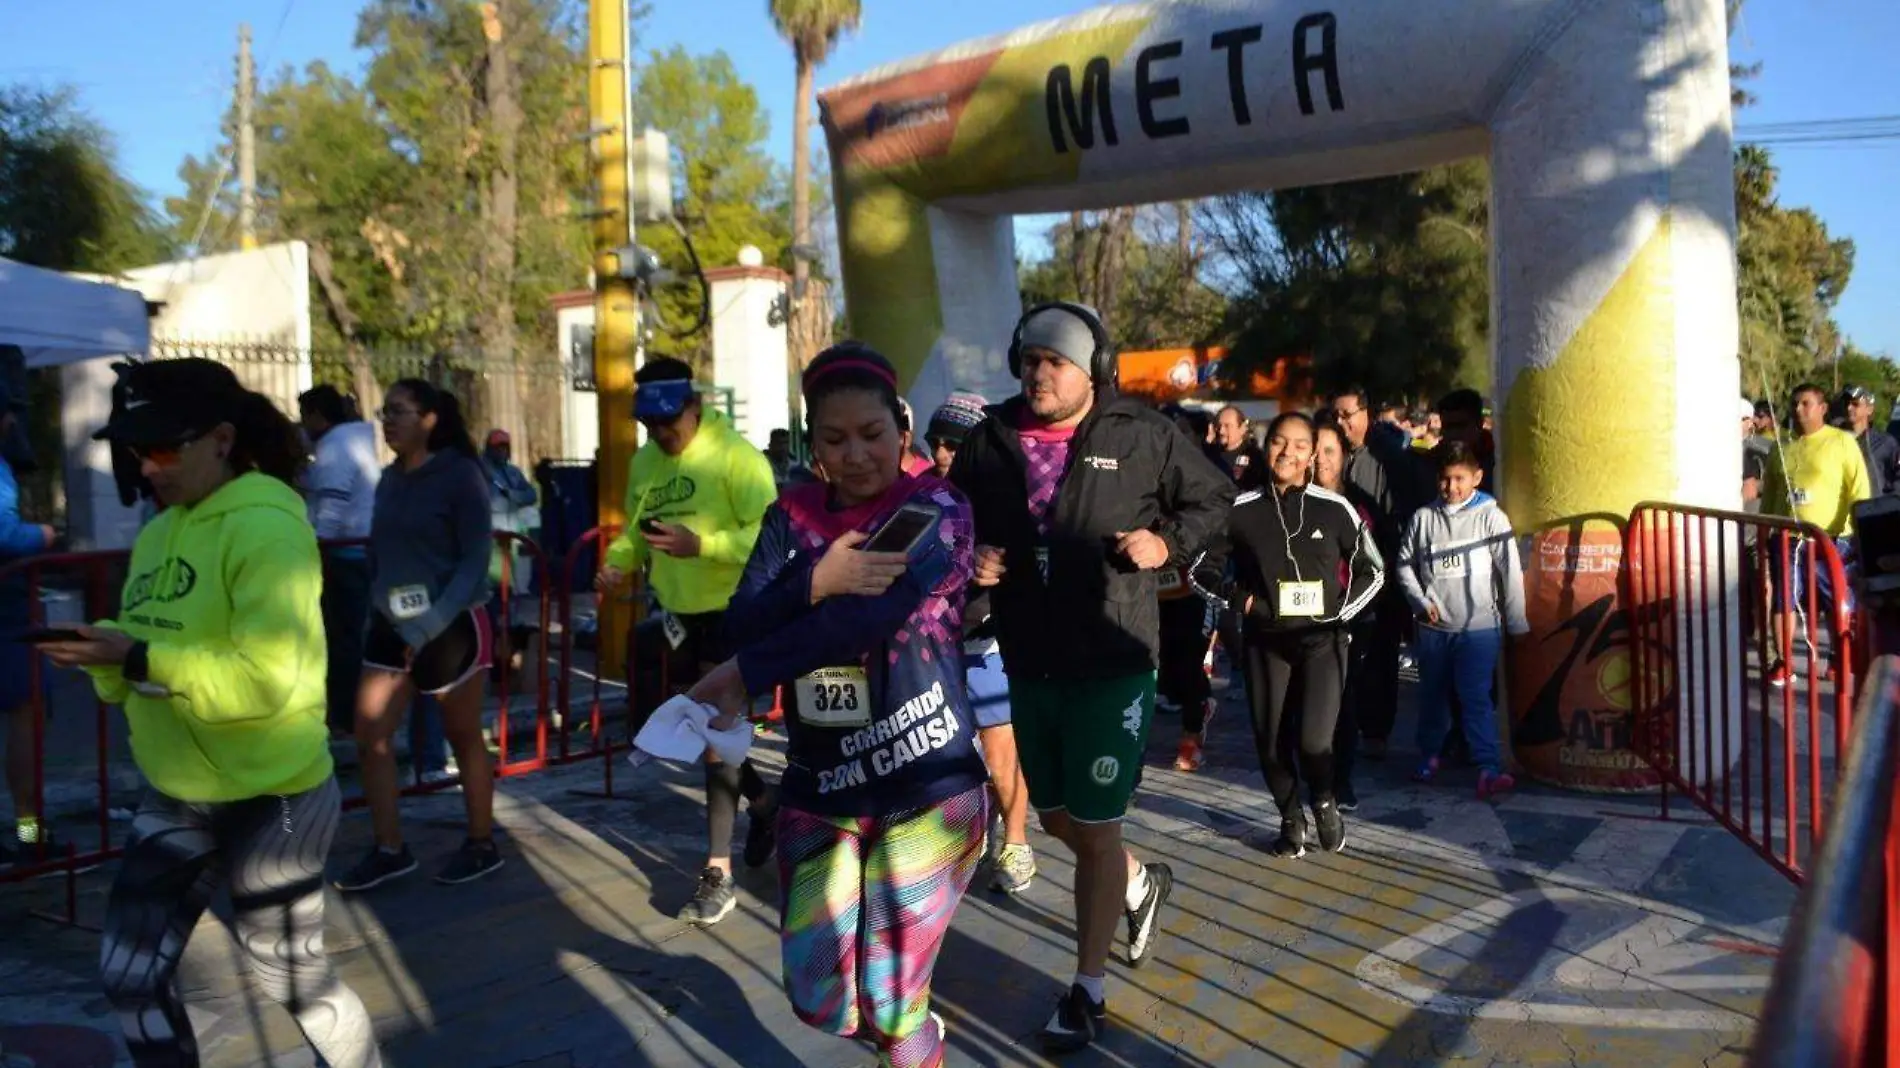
x: 1834, y: 1001
x: 1739, y: 626
x: 95, y: 577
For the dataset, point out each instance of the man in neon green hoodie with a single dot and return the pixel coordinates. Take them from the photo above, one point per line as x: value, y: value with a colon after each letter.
x: 217, y: 656
x: 696, y: 494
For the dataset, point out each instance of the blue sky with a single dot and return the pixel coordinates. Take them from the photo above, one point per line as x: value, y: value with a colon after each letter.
x: 157, y: 74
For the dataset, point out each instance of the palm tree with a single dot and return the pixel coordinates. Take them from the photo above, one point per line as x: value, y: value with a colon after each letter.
x: 812, y: 27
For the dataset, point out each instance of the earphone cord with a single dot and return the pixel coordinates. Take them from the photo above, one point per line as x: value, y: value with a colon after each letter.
x: 1288, y: 535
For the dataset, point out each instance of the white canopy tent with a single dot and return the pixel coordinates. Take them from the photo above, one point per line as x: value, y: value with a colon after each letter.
x: 57, y: 319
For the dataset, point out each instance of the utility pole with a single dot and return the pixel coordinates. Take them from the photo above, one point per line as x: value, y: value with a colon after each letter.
x: 616, y: 304
x: 246, y: 143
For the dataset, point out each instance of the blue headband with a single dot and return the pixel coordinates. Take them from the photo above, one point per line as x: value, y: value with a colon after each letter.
x: 662, y: 401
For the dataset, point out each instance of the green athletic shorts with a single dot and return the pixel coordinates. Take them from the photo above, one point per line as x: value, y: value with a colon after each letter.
x: 1081, y: 742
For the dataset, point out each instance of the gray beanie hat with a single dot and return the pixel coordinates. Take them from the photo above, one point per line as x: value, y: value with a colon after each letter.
x: 1061, y: 331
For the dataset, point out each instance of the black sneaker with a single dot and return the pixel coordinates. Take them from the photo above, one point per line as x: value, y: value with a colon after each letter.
x: 1347, y: 798
x: 1331, y: 826
x: 712, y: 901
x: 1077, y: 1023
x: 376, y: 869
x: 761, y: 834
x: 476, y: 858
x: 1142, y: 919
x: 1292, y: 841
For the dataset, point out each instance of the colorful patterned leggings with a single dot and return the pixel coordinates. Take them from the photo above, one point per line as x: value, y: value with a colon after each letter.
x: 865, y: 907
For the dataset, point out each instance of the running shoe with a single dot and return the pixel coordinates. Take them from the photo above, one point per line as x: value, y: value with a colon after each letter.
x: 1347, y: 798
x: 1779, y: 675
x: 1014, y: 868
x: 1189, y: 756
x: 1292, y: 841
x: 1077, y: 1022
x: 1427, y: 772
x: 1143, y: 919
x: 1330, y: 825
x: 1493, y: 783
x: 376, y: 869
x: 761, y: 834
x: 476, y: 858
x: 1166, y: 706
x: 713, y: 901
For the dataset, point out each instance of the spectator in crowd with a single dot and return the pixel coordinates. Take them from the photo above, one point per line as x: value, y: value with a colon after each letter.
x: 1463, y: 418
x: 1762, y: 432
x: 18, y: 538
x: 1878, y: 448
x: 341, y: 498
x: 1385, y: 480
x: 786, y: 470
x: 1753, y: 465
x: 1429, y: 431
x: 1236, y: 453
x: 1816, y: 476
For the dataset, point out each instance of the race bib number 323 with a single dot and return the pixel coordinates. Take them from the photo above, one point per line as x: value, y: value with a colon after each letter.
x: 834, y: 697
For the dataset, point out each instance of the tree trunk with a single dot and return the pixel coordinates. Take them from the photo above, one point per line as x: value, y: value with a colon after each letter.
x: 1078, y: 256
x: 801, y: 336
x: 495, y: 323
x: 363, y: 382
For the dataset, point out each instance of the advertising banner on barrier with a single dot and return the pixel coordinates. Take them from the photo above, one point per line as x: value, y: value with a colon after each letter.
x: 1571, y: 689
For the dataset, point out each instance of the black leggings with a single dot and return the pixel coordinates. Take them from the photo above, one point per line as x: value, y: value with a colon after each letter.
x: 268, y: 852
x: 1186, y: 632
x: 1298, y: 675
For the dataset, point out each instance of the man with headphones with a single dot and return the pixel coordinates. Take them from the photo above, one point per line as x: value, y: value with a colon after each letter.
x: 1081, y: 498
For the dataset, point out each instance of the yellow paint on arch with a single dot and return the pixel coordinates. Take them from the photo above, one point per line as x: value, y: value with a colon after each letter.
x: 1001, y: 141
x: 1597, y: 424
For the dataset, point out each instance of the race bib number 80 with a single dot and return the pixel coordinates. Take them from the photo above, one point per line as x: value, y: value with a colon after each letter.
x: 834, y: 697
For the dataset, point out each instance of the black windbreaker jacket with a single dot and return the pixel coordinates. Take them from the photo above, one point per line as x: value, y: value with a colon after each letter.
x: 1095, y: 615
x: 1308, y: 537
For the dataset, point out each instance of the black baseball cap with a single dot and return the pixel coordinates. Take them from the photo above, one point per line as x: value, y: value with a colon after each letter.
x: 169, y: 402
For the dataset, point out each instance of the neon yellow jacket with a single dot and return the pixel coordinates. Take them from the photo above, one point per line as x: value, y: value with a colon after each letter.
x: 225, y: 596
x: 719, y: 487
x: 1817, y: 478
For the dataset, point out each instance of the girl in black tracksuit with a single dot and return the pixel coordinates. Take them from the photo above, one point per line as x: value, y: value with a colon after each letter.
x: 1288, y: 542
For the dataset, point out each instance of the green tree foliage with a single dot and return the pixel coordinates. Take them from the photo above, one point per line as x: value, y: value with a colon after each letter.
x: 733, y: 194
x: 1789, y: 275
x: 1383, y: 282
x: 63, y: 202
x: 1141, y: 268
x: 812, y: 27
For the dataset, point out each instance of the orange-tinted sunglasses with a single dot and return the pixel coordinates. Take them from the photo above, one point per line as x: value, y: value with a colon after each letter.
x: 161, y: 455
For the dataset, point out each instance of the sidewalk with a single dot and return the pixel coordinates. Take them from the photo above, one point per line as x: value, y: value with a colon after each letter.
x: 1549, y: 929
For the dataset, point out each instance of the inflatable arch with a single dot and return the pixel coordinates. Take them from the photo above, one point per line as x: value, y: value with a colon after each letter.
x: 1606, y: 124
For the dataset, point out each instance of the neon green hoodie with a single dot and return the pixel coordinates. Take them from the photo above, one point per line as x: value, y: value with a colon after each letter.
x: 225, y: 596
x: 719, y: 487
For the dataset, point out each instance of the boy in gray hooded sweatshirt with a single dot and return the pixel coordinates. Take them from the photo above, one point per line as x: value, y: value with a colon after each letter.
x: 1459, y: 568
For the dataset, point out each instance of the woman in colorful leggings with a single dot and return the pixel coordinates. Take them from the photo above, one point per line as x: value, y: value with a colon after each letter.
x: 884, y: 805
x: 218, y: 658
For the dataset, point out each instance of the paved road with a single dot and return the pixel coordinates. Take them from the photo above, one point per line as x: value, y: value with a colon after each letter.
x: 1548, y: 929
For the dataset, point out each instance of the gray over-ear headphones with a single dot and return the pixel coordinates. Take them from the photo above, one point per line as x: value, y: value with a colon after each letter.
x: 1102, y: 366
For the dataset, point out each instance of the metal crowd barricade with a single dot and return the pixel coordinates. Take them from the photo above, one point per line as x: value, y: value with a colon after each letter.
x: 1740, y: 625
x: 94, y: 577
x: 1834, y: 1002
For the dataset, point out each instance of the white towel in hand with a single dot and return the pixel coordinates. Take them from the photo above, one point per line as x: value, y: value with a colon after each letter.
x: 681, y: 729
